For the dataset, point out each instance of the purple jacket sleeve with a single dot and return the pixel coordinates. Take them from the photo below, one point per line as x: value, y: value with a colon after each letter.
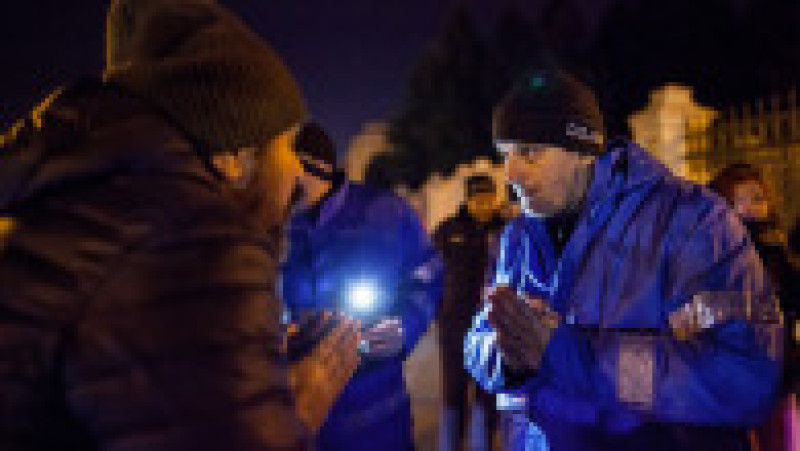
x: 726, y: 374
x: 421, y: 285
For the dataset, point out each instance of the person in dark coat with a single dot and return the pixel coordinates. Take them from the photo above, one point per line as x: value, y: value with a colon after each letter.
x: 466, y: 242
x: 743, y: 186
x: 137, y: 270
x: 794, y: 238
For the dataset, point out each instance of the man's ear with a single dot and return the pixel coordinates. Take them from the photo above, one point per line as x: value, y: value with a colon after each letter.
x: 235, y: 167
x: 228, y: 165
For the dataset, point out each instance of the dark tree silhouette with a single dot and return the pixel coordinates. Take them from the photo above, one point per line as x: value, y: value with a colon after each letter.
x: 565, y: 36
x: 641, y: 45
x: 516, y: 49
x: 446, y: 114
x: 768, y: 48
x: 728, y: 55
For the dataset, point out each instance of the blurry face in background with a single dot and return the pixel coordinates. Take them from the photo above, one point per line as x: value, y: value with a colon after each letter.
x: 547, y: 179
x: 482, y: 205
x: 750, y: 201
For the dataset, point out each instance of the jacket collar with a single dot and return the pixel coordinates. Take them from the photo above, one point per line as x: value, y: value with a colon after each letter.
x: 334, y: 204
x: 331, y: 206
x: 624, y: 167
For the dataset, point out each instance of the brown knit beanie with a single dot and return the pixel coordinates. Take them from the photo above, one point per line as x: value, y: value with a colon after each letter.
x: 204, y: 68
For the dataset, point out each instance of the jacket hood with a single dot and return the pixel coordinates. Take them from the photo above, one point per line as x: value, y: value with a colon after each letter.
x: 623, y: 168
x: 87, y: 132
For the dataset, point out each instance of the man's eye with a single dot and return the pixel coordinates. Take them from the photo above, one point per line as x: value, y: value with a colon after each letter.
x: 529, y: 153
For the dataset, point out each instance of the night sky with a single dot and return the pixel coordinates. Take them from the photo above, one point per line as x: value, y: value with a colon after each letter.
x: 351, y: 57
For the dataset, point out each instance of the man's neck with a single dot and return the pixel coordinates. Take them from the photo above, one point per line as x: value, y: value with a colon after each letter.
x: 579, y: 189
x: 318, y: 190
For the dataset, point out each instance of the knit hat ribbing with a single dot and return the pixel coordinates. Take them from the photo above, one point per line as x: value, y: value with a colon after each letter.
x: 550, y: 107
x: 204, y: 68
x: 313, y: 141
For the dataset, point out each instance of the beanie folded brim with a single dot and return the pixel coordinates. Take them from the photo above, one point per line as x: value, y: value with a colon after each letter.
x: 540, y: 128
x: 550, y: 107
x: 220, y: 103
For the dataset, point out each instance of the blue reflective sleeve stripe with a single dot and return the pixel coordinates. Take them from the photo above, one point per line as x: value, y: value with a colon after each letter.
x: 481, y: 357
x: 502, y: 271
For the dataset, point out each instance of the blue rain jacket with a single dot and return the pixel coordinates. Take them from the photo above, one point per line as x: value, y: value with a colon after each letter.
x: 613, y: 376
x: 365, y: 237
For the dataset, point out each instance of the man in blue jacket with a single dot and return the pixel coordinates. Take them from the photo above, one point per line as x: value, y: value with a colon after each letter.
x: 361, y: 252
x: 628, y: 306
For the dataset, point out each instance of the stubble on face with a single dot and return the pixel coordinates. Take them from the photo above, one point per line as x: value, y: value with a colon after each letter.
x: 276, y: 170
x: 551, y: 181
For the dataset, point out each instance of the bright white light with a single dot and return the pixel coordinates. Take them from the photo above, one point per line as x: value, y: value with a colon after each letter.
x: 362, y: 296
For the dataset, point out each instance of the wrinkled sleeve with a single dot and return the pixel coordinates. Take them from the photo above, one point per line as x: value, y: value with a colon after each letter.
x: 726, y: 374
x: 181, y: 346
x: 420, y: 289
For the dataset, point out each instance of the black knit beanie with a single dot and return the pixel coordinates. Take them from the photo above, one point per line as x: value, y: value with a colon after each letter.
x: 217, y: 80
x: 313, y: 142
x: 550, y: 107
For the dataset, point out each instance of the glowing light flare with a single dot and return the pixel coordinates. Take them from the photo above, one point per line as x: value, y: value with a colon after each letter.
x: 362, y: 296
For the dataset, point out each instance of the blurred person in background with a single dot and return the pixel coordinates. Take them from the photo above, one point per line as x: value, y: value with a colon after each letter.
x: 468, y: 243
x: 743, y: 186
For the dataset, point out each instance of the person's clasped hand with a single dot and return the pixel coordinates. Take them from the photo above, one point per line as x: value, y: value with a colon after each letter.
x: 524, y: 326
x: 692, y: 318
x: 320, y: 376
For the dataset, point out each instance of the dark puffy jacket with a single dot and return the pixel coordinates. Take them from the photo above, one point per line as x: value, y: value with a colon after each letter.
x: 467, y: 247
x: 136, y: 303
